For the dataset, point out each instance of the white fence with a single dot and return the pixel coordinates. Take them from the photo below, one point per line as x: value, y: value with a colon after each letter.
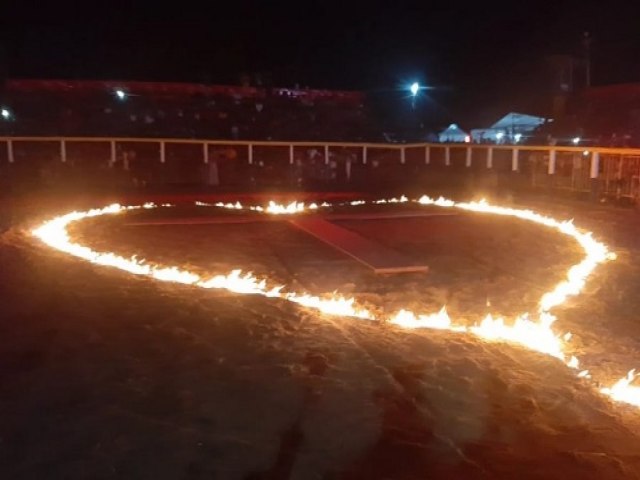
x: 615, y: 171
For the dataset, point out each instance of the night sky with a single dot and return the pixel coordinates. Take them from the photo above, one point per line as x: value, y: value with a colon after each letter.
x: 473, y: 55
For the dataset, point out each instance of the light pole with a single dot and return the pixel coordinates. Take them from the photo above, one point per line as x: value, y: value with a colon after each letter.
x: 414, y: 89
x: 586, y: 42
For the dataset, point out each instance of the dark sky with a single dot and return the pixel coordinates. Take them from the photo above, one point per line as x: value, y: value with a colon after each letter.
x: 472, y: 52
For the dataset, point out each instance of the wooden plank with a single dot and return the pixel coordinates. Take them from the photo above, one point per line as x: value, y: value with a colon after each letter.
x: 377, y: 257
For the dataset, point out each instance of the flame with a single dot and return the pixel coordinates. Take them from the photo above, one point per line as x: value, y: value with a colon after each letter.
x: 335, y: 305
x: 231, y: 206
x: 278, y: 209
x: 54, y: 233
x: 573, y: 363
x: 440, y: 202
x: 439, y: 321
x: 239, y: 283
x: 272, y: 207
x: 290, y: 209
x: 596, y: 252
x: 623, y: 391
x: 534, y: 334
x: 538, y: 335
x: 402, y: 199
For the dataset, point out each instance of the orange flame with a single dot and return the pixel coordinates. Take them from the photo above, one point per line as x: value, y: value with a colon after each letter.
x: 623, y: 391
x: 54, y: 233
x: 535, y: 335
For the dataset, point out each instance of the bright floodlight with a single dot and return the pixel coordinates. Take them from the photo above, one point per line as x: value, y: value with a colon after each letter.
x: 415, y: 88
x: 5, y: 113
x: 120, y: 94
x: 517, y: 137
x: 499, y: 135
x: 576, y: 140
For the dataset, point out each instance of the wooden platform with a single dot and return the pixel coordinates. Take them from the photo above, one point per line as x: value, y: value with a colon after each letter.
x: 377, y: 257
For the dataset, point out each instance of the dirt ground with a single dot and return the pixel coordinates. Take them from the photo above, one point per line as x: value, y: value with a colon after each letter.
x: 107, y: 375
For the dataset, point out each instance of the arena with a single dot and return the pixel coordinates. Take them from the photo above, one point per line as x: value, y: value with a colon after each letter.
x: 198, y: 287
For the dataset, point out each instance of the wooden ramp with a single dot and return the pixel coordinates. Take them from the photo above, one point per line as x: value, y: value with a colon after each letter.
x: 377, y: 257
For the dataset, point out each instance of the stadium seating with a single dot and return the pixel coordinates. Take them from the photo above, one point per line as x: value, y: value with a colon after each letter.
x: 141, y: 109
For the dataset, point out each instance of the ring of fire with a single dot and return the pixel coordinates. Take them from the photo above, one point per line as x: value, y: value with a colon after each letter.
x: 532, y: 332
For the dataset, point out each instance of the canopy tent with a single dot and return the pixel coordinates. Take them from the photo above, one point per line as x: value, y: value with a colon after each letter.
x: 453, y: 133
x: 510, y: 128
x: 518, y: 122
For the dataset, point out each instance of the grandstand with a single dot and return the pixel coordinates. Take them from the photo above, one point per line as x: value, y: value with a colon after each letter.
x: 70, y: 136
x: 177, y: 110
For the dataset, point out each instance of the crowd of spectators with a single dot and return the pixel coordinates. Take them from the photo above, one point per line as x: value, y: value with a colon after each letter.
x: 141, y: 109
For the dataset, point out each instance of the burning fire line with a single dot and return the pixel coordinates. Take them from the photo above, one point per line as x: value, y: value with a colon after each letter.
x: 532, y: 333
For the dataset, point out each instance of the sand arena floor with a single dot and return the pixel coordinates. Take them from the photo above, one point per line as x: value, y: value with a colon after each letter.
x: 105, y: 375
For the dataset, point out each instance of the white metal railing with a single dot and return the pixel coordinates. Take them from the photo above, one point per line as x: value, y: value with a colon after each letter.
x: 594, y: 153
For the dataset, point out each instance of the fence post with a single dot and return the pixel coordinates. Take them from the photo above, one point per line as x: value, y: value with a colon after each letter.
x: 63, y: 152
x: 514, y: 160
x: 402, y: 155
x: 291, y: 154
x: 250, y: 153
x: 489, y: 157
x: 447, y: 156
x: 427, y: 155
x: 112, y: 158
x: 552, y: 163
x: 364, y: 155
x: 594, y: 173
x: 468, y: 159
x: 595, y: 165
x: 162, y: 153
x: 10, y: 151
x: 205, y: 152
x: 326, y: 154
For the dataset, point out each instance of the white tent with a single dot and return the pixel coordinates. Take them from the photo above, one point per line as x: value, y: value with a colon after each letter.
x: 511, y: 128
x: 518, y: 122
x: 453, y: 133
